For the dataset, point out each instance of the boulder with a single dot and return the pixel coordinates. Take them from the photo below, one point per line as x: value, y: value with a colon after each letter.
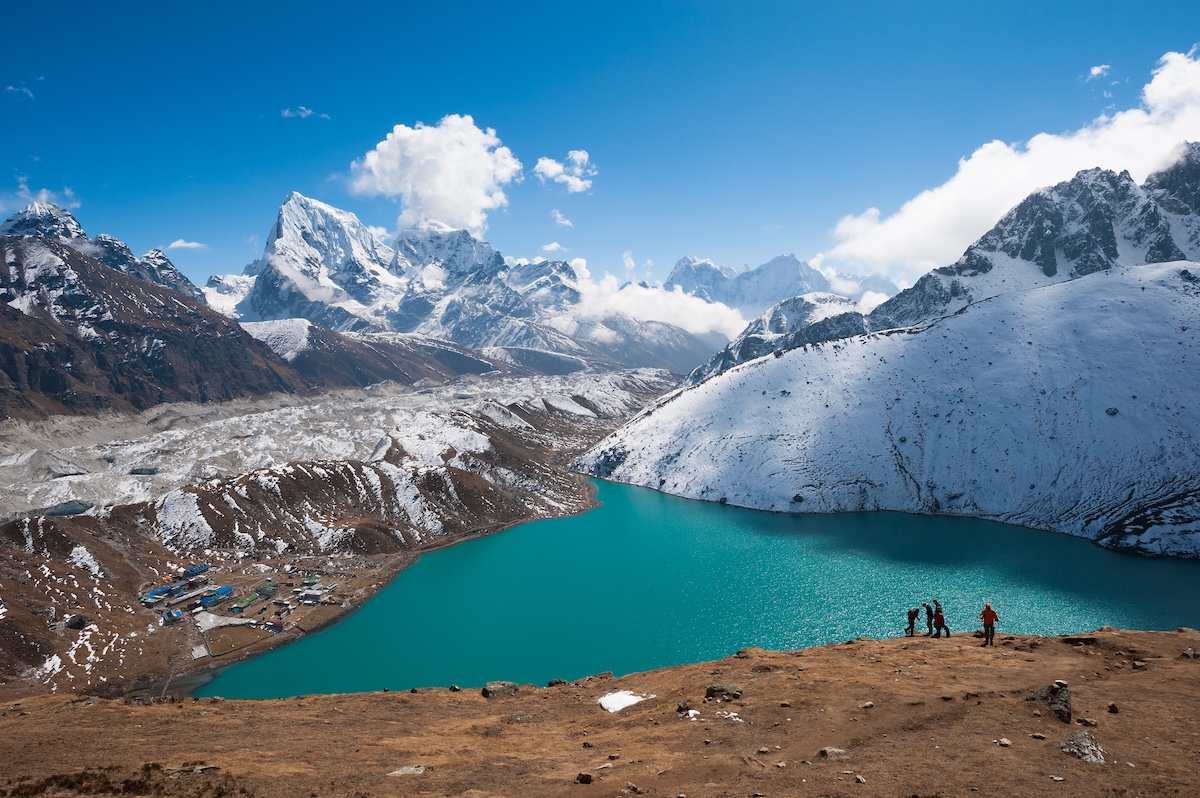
x: 499, y: 689
x: 1057, y: 696
x: 1083, y: 745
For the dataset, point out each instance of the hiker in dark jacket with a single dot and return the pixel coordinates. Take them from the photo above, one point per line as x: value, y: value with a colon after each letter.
x: 928, y: 618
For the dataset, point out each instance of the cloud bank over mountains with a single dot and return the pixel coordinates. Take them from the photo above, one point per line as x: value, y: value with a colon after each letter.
x: 934, y: 228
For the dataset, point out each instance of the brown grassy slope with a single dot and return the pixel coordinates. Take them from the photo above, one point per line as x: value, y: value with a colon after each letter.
x: 938, y: 708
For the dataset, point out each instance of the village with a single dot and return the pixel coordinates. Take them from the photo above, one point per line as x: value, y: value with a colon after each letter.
x: 242, y: 607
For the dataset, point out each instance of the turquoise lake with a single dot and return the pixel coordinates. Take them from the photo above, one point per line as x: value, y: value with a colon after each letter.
x: 647, y: 580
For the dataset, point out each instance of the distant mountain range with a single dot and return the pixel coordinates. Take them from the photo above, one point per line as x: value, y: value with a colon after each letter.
x: 322, y: 264
x: 753, y: 291
x: 1097, y: 221
x: 336, y: 307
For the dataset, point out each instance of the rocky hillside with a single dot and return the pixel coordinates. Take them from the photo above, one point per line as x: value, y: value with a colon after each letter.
x: 1068, y: 407
x: 79, y: 336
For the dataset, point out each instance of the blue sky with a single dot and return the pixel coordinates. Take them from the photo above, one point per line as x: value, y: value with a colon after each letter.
x: 735, y: 131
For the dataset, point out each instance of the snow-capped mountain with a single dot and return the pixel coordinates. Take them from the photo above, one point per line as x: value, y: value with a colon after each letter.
x: 751, y: 291
x: 1069, y: 407
x: 323, y: 264
x: 1098, y: 220
x: 45, y: 220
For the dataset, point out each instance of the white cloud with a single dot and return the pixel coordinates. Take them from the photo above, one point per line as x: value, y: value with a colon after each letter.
x: 608, y: 296
x: 553, y: 246
x: 381, y: 233
x: 452, y: 172
x: 559, y: 219
x: 1098, y: 71
x: 934, y: 228
x: 24, y: 195
x: 21, y: 92
x: 576, y: 174
x: 179, y: 243
x: 300, y: 112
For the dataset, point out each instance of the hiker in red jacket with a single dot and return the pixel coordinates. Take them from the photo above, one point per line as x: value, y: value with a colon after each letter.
x: 989, y: 618
x: 939, y: 621
x: 912, y: 622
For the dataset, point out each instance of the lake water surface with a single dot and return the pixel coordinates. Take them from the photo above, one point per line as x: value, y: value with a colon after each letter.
x: 648, y: 580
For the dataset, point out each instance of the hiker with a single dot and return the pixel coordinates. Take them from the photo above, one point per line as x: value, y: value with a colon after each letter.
x: 912, y: 622
x: 989, y: 618
x: 928, y: 618
x: 939, y: 621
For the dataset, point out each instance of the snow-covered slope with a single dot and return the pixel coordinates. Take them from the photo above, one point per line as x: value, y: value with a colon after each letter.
x: 1070, y: 407
x: 44, y: 220
x: 324, y: 265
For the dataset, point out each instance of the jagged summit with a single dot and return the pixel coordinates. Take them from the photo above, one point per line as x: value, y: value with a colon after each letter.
x: 42, y: 219
x: 46, y: 220
x: 431, y: 243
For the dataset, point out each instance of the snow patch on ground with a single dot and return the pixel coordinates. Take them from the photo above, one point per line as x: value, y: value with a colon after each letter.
x: 287, y: 337
x: 83, y: 559
x: 622, y: 699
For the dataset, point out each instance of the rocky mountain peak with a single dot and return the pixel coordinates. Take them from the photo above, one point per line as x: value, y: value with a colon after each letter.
x: 432, y: 243
x: 1177, y: 188
x: 43, y: 219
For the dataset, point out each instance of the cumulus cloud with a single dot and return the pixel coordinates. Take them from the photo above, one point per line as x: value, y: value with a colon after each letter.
x: 553, y: 246
x: 300, y: 112
x: 576, y: 174
x: 179, y: 243
x: 1098, y: 71
x: 559, y: 219
x: 936, y: 226
x: 452, y: 172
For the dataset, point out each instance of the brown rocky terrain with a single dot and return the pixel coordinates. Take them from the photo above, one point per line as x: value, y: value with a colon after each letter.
x: 898, y: 717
